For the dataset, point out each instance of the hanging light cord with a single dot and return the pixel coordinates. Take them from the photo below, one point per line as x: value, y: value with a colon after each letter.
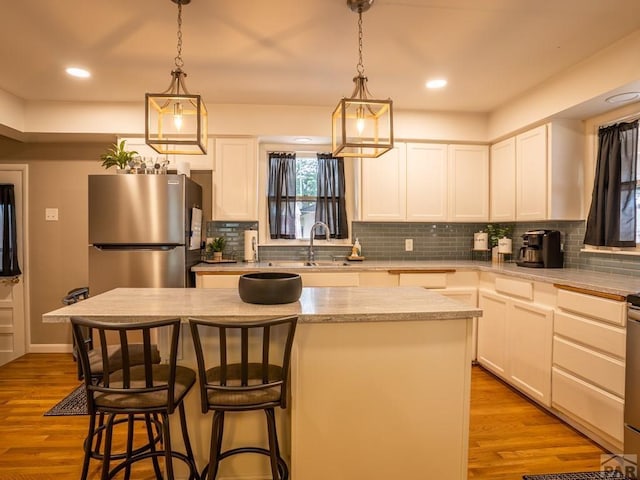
x: 178, y: 59
x: 360, y: 66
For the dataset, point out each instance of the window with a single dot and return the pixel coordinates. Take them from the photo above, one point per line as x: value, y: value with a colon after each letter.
x: 306, y: 194
x: 302, y: 189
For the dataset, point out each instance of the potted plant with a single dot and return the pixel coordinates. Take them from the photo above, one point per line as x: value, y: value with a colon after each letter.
x: 216, y: 247
x: 117, y: 156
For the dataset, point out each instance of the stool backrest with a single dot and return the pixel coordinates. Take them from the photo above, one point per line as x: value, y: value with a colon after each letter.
x: 121, y: 373
x: 237, y: 356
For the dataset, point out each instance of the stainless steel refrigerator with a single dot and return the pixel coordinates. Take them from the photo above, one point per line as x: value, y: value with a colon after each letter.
x: 144, y: 231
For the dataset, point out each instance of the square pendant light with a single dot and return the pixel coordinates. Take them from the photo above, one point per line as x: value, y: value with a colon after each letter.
x: 362, y: 126
x: 175, y: 120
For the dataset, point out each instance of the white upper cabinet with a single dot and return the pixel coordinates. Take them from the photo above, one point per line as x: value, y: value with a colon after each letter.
x: 531, y: 174
x: 502, y: 183
x: 427, y: 182
x: 538, y: 174
x: 235, y: 179
x: 384, y: 186
x: 468, y: 183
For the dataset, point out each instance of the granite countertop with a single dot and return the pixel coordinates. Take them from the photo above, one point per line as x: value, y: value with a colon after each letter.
x: 316, y: 304
x: 574, y: 277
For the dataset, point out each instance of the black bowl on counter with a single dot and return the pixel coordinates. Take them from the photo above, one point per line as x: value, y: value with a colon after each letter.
x: 270, y: 288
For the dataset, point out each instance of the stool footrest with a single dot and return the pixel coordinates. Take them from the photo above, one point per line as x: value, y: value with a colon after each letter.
x: 282, y: 465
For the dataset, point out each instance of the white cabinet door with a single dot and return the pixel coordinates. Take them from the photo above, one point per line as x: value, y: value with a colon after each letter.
x: 468, y: 183
x: 426, y: 182
x: 502, y: 183
x: 530, y: 337
x: 492, y: 333
x: 531, y: 174
x: 384, y: 186
x: 235, y: 179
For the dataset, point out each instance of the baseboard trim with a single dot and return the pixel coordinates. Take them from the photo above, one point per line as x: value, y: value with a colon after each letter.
x: 50, y: 348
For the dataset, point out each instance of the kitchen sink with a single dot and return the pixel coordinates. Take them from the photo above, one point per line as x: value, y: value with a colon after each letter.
x: 300, y: 264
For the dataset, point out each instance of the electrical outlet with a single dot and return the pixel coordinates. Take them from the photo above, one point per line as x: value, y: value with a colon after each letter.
x: 408, y: 245
x: 51, y: 214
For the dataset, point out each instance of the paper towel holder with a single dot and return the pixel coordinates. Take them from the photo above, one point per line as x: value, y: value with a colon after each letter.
x: 250, y: 246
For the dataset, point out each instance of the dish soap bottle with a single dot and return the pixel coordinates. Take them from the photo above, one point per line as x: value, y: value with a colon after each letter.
x: 356, y: 251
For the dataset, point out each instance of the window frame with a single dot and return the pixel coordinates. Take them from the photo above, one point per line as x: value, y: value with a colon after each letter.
x: 263, y: 175
x: 592, y: 126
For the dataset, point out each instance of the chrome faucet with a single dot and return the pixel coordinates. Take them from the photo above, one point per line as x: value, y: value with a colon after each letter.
x: 311, y: 257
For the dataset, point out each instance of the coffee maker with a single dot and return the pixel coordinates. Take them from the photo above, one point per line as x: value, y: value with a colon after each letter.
x: 541, y: 249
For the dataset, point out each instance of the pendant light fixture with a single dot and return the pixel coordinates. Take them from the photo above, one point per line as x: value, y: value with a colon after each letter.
x: 362, y: 127
x: 176, y: 121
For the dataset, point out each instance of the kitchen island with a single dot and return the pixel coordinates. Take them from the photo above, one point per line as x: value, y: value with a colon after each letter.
x: 380, y: 378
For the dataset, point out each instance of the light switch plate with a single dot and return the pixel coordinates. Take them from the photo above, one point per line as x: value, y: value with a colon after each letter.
x: 408, y: 245
x: 51, y: 214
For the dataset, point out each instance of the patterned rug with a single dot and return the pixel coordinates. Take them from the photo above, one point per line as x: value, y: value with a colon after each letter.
x: 73, y: 404
x: 576, y: 476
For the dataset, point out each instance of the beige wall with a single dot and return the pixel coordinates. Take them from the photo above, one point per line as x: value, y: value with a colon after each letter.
x: 58, y: 250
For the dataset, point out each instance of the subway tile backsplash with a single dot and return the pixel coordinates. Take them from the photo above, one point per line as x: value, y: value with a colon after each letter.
x: 431, y: 241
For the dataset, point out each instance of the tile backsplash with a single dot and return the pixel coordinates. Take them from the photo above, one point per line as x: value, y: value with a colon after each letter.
x: 431, y: 241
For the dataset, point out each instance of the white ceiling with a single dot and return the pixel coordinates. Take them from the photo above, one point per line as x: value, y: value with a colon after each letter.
x: 303, y: 52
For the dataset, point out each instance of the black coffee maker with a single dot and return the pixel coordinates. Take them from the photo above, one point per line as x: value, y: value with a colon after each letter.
x: 541, y: 249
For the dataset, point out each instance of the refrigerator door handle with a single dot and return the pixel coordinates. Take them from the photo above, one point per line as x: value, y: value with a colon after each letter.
x: 164, y: 248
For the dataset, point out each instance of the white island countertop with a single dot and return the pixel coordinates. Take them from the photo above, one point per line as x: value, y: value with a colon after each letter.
x: 316, y: 304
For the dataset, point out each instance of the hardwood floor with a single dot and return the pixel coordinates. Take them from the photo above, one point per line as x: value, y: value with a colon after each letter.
x: 509, y: 436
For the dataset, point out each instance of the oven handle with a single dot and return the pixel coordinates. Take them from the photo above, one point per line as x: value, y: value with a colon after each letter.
x: 633, y: 313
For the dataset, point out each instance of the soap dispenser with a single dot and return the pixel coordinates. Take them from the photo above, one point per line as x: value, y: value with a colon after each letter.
x: 356, y: 251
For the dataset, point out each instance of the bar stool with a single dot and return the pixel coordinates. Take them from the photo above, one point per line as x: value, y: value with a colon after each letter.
x: 148, y: 389
x: 93, y: 443
x: 247, y: 369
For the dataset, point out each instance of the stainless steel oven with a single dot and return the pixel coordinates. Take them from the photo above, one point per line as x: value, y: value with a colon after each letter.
x: 632, y: 379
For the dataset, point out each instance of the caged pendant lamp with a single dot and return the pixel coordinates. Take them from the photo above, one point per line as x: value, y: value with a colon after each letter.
x: 362, y: 127
x: 176, y: 121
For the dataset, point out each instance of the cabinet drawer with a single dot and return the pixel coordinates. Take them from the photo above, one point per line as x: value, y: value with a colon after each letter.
x: 218, y: 281
x: 427, y: 280
x: 599, y: 335
x: 597, y: 368
x: 515, y: 288
x: 326, y: 279
x: 587, y: 403
x: 591, y: 306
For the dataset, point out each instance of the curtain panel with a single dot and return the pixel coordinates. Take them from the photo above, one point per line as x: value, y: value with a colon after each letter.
x: 612, y: 216
x: 331, y: 207
x: 281, y: 195
x: 9, y: 267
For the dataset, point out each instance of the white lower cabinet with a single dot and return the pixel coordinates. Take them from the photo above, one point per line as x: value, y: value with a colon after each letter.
x: 492, y: 333
x: 589, y: 365
x: 514, y: 342
x: 529, y: 333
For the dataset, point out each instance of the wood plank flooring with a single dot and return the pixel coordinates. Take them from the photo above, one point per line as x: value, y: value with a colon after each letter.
x: 509, y: 436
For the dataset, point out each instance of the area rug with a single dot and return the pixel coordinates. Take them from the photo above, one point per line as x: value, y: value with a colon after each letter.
x: 73, y: 404
x: 576, y: 476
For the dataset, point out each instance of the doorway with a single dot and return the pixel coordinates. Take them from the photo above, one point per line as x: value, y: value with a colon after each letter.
x: 14, y: 330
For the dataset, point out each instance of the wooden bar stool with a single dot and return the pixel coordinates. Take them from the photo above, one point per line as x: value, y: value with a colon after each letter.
x: 151, y: 390
x: 246, y: 369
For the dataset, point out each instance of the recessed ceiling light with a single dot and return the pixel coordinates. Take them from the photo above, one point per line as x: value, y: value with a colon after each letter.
x: 622, y: 97
x: 436, y: 83
x: 78, y: 72
x: 303, y: 140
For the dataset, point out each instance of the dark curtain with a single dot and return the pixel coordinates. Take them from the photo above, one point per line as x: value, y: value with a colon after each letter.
x: 612, y: 216
x: 282, y: 195
x: 9, y: 267
x: 330, y: 204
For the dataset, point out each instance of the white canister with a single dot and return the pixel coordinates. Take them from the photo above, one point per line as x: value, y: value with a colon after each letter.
x: 504, y: 245
x: 481, y: 241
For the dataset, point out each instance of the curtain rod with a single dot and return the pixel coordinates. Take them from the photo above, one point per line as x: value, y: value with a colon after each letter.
x: 627, y: 118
